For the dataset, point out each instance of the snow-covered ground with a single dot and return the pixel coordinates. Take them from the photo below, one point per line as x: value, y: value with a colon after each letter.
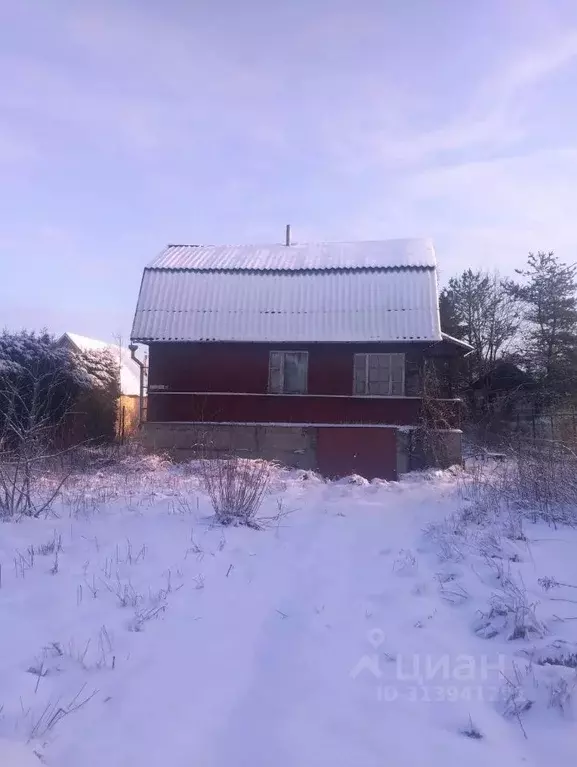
x: 369, y: 624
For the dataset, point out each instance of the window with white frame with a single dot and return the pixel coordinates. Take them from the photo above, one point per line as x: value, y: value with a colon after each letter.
x: 288, y: 372
x: 379, y: 375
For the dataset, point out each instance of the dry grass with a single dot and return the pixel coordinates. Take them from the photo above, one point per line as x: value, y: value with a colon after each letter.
x: 536, y: 481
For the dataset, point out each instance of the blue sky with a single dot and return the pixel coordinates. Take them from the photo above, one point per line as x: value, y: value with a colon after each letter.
x: 128, y: 124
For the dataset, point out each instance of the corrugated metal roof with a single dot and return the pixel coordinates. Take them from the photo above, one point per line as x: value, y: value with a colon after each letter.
x: 318, y: 256
x: 360, y: 305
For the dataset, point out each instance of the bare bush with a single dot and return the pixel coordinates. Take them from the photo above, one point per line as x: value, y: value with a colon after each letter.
x: 542, y: 478
x: 236, y: 488
x: 537, y: 480
x: 28, y: 436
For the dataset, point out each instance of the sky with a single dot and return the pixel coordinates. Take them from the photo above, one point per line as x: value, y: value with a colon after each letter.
x: 129, y: 124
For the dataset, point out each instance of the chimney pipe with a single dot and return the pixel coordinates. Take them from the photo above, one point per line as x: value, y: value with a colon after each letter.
x: 288, y: 235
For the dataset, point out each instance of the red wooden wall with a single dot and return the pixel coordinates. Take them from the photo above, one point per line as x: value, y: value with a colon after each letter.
x: 229, y: 382
x: 240, y: 367
x: 282, y: 408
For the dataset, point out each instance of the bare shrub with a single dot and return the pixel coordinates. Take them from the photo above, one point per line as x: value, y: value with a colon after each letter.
x: 236, y: 488
x: 28, y: 455
x: 480, y: 488
x: 542, y: 479
x: 537, y: 480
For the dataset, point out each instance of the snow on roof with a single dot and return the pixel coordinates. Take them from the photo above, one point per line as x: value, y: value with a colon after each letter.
x: 129, y: 370
x: 331, y: 306
x: 385, y: 254
x: 88, y: 344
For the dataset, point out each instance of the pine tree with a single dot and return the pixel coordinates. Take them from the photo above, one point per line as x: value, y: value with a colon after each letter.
x: 549, y: 299
x: 450, y: 321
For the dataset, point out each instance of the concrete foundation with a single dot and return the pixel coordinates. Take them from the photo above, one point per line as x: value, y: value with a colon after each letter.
x: 297, y: 446
x: 290, y: 445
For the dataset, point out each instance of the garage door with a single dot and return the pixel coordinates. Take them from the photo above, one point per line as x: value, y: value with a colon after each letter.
x: 368, y: 451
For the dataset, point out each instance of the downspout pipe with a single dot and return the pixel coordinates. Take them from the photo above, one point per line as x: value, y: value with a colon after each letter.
x: 133, y: 349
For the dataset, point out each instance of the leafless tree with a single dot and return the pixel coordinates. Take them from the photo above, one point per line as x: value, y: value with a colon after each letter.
x: 480, y: 307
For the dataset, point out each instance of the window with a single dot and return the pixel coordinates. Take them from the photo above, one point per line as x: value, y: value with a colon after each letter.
x: 379, y: 375
x: 288, y: 372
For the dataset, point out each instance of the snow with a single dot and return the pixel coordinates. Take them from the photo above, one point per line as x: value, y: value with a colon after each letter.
x: 375, y: 254
x: 129, y: 370
x: 345, y: 633
x: 13, y: 754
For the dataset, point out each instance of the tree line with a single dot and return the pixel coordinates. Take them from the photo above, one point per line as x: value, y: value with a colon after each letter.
x: 529, y: 320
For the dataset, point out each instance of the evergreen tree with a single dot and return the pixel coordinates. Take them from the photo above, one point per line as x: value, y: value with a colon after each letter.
x: 42, y: 381
x: 549, y: 300
x: 450, y: 321
x: 37, y: 379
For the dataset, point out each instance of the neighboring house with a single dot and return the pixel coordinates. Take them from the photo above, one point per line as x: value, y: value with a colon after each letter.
x: 505, y: 391
x: 313, y: 355
x: 129, y: 377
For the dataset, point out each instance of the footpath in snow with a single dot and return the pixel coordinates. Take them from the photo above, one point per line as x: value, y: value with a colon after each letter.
x: 359, y: 629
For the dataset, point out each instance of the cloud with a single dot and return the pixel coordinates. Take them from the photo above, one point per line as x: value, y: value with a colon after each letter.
x: 484, y: 213
x: 406, y: 125
x: 175, y: 122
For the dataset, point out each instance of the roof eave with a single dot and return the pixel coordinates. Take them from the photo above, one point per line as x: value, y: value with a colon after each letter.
x: 467, y: 348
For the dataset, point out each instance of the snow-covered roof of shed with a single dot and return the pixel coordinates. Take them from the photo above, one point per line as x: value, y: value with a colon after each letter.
x: 321, y: 256
x: 129, y: 370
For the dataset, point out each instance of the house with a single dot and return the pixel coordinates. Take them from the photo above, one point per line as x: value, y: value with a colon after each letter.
x: 505, y: 390
x: 311, y: 354
x: 129, y: 377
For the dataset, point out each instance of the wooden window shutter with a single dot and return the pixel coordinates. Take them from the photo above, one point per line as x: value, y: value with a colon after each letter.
x: 295, y: 372
x: 360, y: 374
x: 397, y: 375
x: 275, y: 373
